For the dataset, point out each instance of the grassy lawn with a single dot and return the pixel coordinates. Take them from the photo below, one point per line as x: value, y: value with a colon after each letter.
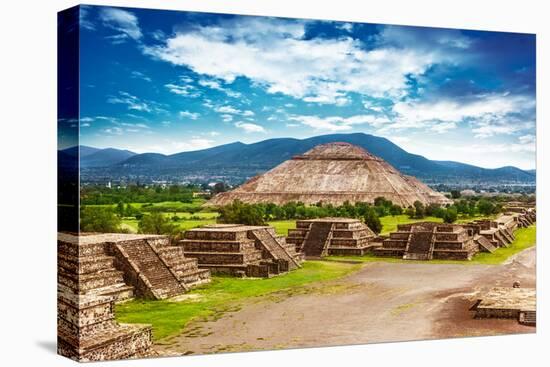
x: 525, y: 238
x: 282, y: 226
x: 222, y: 295
x: 165, y: 205
x: 389, y: 223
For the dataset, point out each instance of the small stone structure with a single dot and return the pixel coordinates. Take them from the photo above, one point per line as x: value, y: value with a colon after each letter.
x: 97, y: 270
x: 125, y: 265
x: 508, y: 303
x: 87, y: 330
x: 429, y: 240
x: 331, y: 236
x: 500, y: 231
x: 240, y: 250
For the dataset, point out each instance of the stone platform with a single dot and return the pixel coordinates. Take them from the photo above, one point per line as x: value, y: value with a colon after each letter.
x: 430, y: 240
x: 508, y: 303
x: 331, y: 236
x: 125, y: 265
x: 240, y: 250
x: 87, y: 330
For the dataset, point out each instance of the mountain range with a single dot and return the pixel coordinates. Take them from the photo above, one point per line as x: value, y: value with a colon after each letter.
x: 237, y: 161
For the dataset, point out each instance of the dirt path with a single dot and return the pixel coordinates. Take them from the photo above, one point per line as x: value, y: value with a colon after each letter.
x: 382, y: 302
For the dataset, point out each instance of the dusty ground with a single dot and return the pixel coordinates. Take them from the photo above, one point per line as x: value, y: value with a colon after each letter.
x: 382, y: 302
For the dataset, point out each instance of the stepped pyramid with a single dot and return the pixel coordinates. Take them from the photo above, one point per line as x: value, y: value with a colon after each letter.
x: 240, y: 250
x: 332, y: 173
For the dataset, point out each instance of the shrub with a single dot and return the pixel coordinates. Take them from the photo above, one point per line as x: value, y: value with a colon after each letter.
x: 450, y: 215
x: 419, y: 211
x: 373, y: 221
x: 99, y: 219
x: 156, y: 223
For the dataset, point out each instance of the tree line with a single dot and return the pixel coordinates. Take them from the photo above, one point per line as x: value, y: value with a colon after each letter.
x: 101, y: 195
x: 109, y: 219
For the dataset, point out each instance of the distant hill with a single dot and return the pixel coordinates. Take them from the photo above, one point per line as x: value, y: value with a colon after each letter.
x: 239, y: 161
x: 94, y: 157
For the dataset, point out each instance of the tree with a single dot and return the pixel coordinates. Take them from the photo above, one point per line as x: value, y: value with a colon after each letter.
x: 410, y: 212
x: 396, y: 210
x: 450, y: 215
x: 373, y: 221
x: 455, y: 194
x: 241, y: 213
x: 219, y: 187
x: 419, y: 211
x: 99, y: 219
x: 485, y: 207
x: 120, y: 209
x: 156, y: 223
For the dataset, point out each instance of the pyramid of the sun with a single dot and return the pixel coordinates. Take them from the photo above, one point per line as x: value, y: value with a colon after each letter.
x: 332, y: 173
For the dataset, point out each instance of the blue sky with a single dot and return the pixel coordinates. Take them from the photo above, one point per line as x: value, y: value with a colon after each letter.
x: 167, y: 81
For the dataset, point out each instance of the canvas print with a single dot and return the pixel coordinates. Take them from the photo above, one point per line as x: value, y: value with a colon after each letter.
x: 232, y: 183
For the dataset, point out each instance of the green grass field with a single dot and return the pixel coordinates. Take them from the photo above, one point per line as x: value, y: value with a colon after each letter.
x: 389, y: 223
x: 168, y: 206
x: 282, y: 226
x: 525, y: 238
x: 222, y: 295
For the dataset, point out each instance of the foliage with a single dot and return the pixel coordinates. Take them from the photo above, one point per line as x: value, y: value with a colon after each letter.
x: 99, y: 219
x: 100, y: 195
x: 450, y: 215
x: 372, y: 220
x: 419, y: 210
x: 241, y: 213
x: 156, y: 223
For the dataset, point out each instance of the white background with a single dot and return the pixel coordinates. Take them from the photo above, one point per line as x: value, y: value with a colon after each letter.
x: 28, y: 181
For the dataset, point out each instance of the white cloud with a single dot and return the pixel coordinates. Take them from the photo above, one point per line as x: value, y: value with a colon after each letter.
x: 527, y: 139
x: 185, y: 90
x: 489, y: 114
x: 84, y: 21
x: 121, y: 21
x: 115, y: 130
x: 250, y: 127
x: 443, y: 127
x: 456, y: 111
x: 337, y: 123
x: 348, y: 27
x: 227, y: 110
x: 216, y: 85
x: 487, y: 131
x: 133, y: 102
x: 227, y: 118
x: 273, y: 54
x: 168, y: 146
x: 140, y: 75
x: 189, y: 115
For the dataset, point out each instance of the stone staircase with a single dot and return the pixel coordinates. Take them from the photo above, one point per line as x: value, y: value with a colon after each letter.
x: 185, y: 269
x: 484, y: 244
x: 528, y: 317
x: 316, y: 242
x: 87, y: 269
x: 153, y: 276
x: 505, y: 233
x: 503, y: 241
x: 272, y: 245
x: 420, y: 245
